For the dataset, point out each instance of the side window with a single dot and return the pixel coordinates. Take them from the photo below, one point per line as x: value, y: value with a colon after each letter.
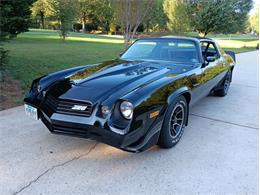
x: 209, y: 49
x: 203, y: 46
x: 212, y: 50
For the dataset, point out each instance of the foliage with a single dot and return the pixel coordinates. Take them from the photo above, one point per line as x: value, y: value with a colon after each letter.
x: 15, y: 17
x: 126, y: 16
x: 91, y: 27
x: 155, y: 20
x: 3, y: 59
x: 41, y: 9
x: 77, y: 27
x: 65, y: 11
x: 96, y: 11
x: 219, y: 16
x: 254, y: 21
x: 177, y: 13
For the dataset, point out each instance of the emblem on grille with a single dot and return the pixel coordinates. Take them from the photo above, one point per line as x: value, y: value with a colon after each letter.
x: 78, y: 107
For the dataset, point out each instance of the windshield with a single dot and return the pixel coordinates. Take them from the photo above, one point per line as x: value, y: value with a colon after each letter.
x: 175, y: 50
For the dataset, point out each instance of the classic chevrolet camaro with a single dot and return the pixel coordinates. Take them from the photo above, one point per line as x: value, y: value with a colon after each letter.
x: 138, y: 100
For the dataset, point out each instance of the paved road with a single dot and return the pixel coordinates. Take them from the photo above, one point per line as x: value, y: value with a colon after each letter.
x: 217, y: 154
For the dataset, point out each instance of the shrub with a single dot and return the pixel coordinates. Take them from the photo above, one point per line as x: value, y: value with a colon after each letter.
x: 91, y: 27
x: 3, y: 61
x: 77, y: 27
x: 3, y: 58
x: 54, y: 25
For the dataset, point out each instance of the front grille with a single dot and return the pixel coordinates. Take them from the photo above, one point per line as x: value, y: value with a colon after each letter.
x: 81, y: 132
x: 63, y: 106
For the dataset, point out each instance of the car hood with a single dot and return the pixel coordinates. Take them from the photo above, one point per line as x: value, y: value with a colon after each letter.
x: 120, y: 77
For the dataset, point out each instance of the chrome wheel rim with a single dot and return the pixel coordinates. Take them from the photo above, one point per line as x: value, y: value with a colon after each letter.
x: 227, y: 82
x: 177, y: 119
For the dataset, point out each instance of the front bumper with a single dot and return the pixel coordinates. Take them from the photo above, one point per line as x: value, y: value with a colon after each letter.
x: 135, y: 141
x: 83, y: 130
x: 143, y: 135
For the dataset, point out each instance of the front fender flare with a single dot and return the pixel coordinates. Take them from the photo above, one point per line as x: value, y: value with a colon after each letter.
x: 177, y: 93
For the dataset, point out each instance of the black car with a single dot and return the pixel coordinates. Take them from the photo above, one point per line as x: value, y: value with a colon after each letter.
x: 138, y: 100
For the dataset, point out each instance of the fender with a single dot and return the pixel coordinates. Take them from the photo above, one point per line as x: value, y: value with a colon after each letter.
x: 177, y: 93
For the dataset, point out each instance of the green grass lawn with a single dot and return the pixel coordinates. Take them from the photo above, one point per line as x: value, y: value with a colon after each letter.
x: 33, y: 55
x: 39, y: 52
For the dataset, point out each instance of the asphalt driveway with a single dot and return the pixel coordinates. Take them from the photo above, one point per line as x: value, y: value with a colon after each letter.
x: 218, y: 152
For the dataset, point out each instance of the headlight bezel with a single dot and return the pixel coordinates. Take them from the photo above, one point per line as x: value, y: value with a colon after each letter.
x: 126, y: 109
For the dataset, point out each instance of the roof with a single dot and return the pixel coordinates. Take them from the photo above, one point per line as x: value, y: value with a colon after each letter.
x: 180, y: 37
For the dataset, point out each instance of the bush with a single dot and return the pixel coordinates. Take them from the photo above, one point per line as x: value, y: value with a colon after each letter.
x: 3, y: 58
x: 77, y: 27
x: 112, y: 28
x: 140, y: 28
x: 91, y: 27
x: 54, y: 25
x: 3, y: 61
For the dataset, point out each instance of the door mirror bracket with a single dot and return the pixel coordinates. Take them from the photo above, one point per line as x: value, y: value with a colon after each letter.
x: 210, y: 59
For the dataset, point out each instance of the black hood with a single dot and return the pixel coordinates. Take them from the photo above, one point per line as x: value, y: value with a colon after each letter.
x: 102, y: 80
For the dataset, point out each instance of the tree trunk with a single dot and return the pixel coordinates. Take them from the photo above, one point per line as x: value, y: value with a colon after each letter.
x: 134, y: 31
x: 83, y: 21
x: 127, y: 38
x: 203, y: 34
x: 42, y: 20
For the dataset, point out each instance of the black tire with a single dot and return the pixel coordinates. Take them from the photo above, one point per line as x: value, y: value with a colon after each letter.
x: 223, y: 90
x: 170, y: 134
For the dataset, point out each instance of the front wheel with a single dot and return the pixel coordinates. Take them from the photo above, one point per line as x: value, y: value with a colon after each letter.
x: 174, y: 122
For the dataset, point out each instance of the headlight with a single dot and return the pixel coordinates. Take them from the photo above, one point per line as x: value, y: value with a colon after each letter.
x: 126, y: 109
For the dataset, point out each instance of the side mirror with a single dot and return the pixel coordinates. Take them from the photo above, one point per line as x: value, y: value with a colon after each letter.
x: 210, y: 59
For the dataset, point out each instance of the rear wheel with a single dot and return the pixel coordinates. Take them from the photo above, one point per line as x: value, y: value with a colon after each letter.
x: 174, y: 122
x: 223, y: 90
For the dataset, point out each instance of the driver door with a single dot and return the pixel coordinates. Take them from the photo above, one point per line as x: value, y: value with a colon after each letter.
x: 213, y: 66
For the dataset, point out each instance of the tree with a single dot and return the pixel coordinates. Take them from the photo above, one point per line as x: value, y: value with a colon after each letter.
x: 218, y: 16
x: 96, y: 11
x: 84, y: 7
x: 254, y: 21
x: 41, y: 9
x: 156, y: 19
x: 14, y: 19
x: 177, y: 13
x: 65, y: 11
x: 130, y: 14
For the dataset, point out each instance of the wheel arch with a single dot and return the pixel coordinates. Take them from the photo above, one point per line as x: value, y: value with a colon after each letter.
x: 181, y: 91
x: 185, y: 92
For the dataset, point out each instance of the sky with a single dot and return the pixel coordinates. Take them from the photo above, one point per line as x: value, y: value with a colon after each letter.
x: 256, y: 5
